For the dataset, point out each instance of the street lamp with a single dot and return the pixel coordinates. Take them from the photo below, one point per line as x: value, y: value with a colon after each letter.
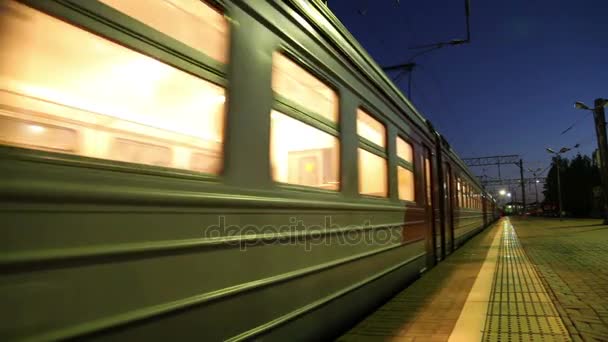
x: 602, y: 145
x: 559, y: 185
x: 502, y: 192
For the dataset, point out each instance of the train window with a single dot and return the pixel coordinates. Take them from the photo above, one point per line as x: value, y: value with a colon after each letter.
x: 372, y: 174
x: 192, y: 22
x: 301, y: 154
x: 370, y: 128
x: 404, y: 150
x: 106, y: 92
x: 428, y: 179
x: 37, y: 135
x: 406, y: 183
x: 405, y: 174
x: 458, y: 192
x: 138, y: 152
x: 298, y: 85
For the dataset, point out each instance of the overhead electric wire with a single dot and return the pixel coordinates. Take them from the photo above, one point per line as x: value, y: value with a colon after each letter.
x: 575, y: 123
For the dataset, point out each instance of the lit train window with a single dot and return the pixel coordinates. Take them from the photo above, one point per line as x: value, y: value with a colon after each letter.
x: 428, y: 179
x: 107, y: 93
x: 405, y: 174
x: 404, y: 150
x: 137, y: 152
x: 370, y: 128
x: 192, y: 22
x: 37, y: 135
x: 372, y: 166
x: 406, y: 183
x: 372, y: 174
x: 301, y: 154
x: 298, y: 85
x: 458, y: 204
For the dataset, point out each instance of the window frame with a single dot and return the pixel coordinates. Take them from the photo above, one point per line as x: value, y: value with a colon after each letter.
x: 300, y: 113
x: 116, y: 27
x: 371, y: 147
x: 410, y: 166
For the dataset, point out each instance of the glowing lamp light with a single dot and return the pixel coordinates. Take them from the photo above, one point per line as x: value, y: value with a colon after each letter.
x: 509, y: 194
x: 502, y: 192
x: 36, y: 129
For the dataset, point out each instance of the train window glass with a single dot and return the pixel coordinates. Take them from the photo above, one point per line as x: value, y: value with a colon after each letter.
x: 300, y: 86
x: 458, y: 193
x: 406, y: 183
x: 372, y: 174
x: 370, y: 128
x: 15, y: 131
x: 103, y: 91
x: 405, y: 150
x: 193, y: 22
x: 138, y: 152
x: 427, y: 179
x: 301, y: 154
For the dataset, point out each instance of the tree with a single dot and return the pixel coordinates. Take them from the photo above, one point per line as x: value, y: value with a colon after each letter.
x: 578, y: 177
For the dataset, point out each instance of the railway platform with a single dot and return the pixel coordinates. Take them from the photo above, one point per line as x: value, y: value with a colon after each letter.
x: 522, y: 279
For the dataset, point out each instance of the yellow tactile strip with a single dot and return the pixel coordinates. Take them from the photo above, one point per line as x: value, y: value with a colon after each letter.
x: 429, y: 308
x: 520, y: 308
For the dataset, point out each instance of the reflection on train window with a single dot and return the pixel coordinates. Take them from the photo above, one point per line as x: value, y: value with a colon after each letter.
x: 404, y: 150
x: 301, y: 154
x: 372, y: 174
x: 370, y: 128
x: 207, y: 162
x: 406, y: 184
x: 143, y: 153
x: 103, y: 91
x: 298, y: 85
x: 18, y: 132
x: 192, y: 22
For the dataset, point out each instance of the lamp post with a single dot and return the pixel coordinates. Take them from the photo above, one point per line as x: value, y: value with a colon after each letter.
x: 535, y: 174
x: 602, y: 145
x: 559, y: 185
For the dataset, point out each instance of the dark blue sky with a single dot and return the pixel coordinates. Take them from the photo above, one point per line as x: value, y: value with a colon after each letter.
x: 512, y: 89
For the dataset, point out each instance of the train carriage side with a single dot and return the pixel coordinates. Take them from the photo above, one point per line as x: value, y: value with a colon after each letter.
x: 264, y: 182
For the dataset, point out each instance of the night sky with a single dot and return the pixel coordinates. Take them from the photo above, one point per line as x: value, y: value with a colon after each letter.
x: 512, y: 89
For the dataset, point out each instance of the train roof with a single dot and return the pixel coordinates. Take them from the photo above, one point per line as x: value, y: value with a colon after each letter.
x: 325, y: 21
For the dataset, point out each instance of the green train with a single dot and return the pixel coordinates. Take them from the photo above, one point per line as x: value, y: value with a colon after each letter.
x: 218, y: 170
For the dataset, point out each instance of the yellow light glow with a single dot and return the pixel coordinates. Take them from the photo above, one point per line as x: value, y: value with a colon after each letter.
x: 301, y: 154
x: 106, y: 93
x: 36, y: 129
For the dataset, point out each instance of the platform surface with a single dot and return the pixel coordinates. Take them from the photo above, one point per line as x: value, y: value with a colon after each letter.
x: 522, y: 279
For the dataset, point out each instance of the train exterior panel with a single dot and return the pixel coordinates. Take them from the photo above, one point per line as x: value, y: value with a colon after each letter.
x: 120, y: 225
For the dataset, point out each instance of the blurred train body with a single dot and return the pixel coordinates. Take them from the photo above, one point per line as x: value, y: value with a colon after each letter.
x: 224, y: 170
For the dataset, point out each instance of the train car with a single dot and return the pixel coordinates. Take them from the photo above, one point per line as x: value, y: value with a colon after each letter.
x: 226, y: 170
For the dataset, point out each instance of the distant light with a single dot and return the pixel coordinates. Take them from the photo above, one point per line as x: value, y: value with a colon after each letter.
x: 509, y: 194
x: 537, y: 181
x: 502, y: 192
x: 36, y: 129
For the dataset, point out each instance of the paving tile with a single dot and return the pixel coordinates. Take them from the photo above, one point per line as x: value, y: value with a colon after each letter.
x: 429, y: 308
x: 571, y: 258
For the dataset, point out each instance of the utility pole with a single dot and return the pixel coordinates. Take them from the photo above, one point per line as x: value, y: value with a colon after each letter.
x: 600, y: 128
x: 523, y: 185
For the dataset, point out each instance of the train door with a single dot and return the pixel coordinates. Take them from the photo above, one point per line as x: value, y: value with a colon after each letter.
x: 449, y: 208
x: 431, y: 228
